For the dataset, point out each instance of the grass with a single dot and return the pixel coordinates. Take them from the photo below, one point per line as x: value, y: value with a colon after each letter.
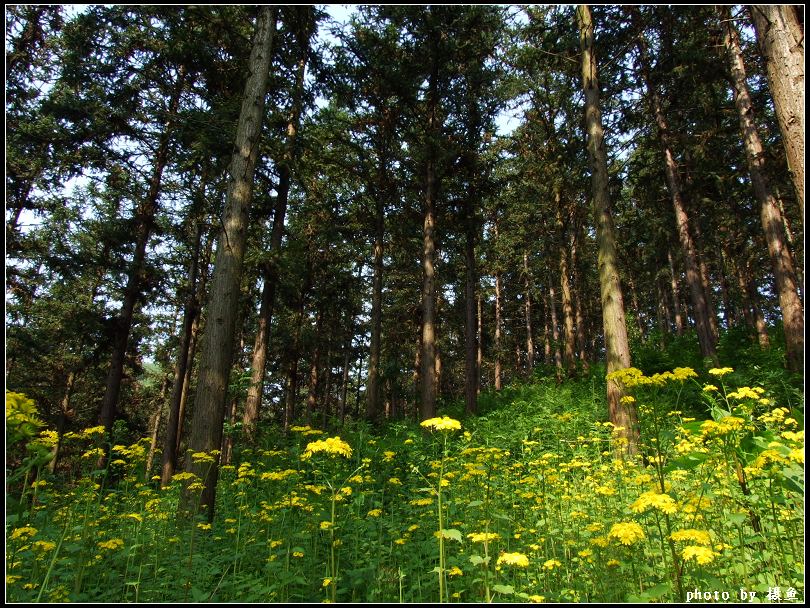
x: 524, y: 503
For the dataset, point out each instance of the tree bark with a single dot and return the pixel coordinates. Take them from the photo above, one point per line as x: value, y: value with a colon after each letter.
x: 427, y: 406
x: 218, y: 341
x: 569, y: 344
x: 676, y: 298
x: 373, y: 384
x: 578, y: 292
x: 527, y: 311
x: 470, y: 321
x: 781, y: 38
x: 784, y: 274
x: 555, y: 331
x: 622, y: 415
x: 190, y: 314
x: 270, y: 270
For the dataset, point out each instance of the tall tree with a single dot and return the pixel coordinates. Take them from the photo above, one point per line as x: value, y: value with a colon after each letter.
x: 700, y: 306
x: 622, y: 414
x: 217, y: 344
x: 781, y: 37
x: 303, y: 24
x: 770, y: 214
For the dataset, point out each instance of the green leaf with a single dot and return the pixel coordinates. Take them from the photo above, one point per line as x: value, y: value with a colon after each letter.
x: 505, y: 589
x: 452, y: 534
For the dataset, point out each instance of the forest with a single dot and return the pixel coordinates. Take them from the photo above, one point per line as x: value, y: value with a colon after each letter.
x: 404, y: 303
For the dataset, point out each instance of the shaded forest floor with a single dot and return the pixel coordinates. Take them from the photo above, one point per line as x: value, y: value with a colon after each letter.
x: 525, y: 502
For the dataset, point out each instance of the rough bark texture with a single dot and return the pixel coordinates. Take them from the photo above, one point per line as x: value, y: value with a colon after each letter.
x: 789, y: 302
x: 616, y: 345
x: 427, y: 405
x: 676, y: 298
x: 253, y: 401
x: 781, y: 38
x: 218, y: 341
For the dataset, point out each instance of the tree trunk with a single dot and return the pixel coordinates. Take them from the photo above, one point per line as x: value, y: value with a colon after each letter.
x: 270, y: 270
x: 781, y: 38
x: 217, y: 346
x: 427, y: 407
x: 190, y: 315
x: 706, y: 338
x: 569, y: 344
x: 789, y: 302
x: 578, y: 292
x: 314, y: 377
x: 527, y: 311
x: 498, y: 331
x: 676, y: 297
x: 555, y: 332
x: 136, y: 281
x: 479, y: 357
x: 622, y: 415
x: 292, y: 371
x: 470, y: 322
x: 373, y: 386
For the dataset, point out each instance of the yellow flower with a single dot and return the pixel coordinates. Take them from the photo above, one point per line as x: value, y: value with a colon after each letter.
x: 700, y: 537
x: 483, y: 537
x: 720, y: 371
x: 662, y: 502
x: 332, y: 446
x: 327, y: 582
x: 537, y: 599
x: 683, y: 373
x: 626, y: 533
x: 92, y: 431
x: 550, y: 564
x: 204, y: 526
x: 298, y: 554
x: 709, y: 388
x: 112, y: 544
x: 325, y: 525
x: 388, y: 456
x: 24, y: 533
x: 455, y: 571
x: 394, y: 481
x: 703, y: 555
x: 43, y: 545
x: 627, y: 399
x: 374, y: 513
x: 444, y: 423
x: 513, y: 559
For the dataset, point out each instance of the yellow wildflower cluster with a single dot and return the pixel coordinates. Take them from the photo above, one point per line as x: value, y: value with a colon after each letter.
x: 627, y: 532
x: 720, y: 371
x: 631, y: 376
x: 746, y: 392
x: 483, y: 537
x: 519, y: 560
x: 112, y: 544
x: 702, y: 555
x: 653, y: 500
x: 701, y: 537
x: 444, y: 423
x: 332, y: 446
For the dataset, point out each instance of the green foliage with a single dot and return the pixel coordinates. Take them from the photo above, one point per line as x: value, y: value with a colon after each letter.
x: 525, y: 501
